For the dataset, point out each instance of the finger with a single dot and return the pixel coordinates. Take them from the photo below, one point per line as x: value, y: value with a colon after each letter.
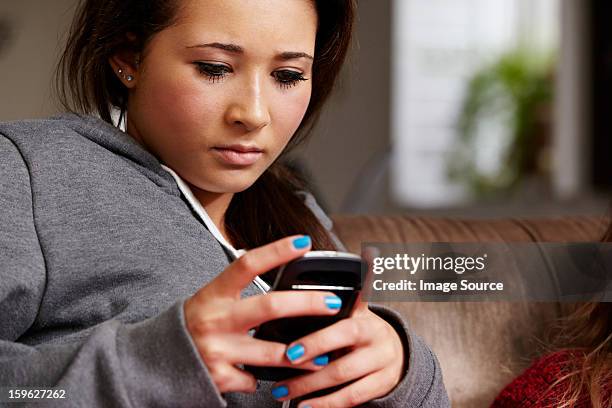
x: 361, y: 304
x: 361, y: 391
x: 243, y: 270
x: 347, y: 368
x: 249, y: 351
x: 232, y: 349
x: 252, y: 311
x: 368, y: 255
x: 345, y: 333
x: 228, y: 378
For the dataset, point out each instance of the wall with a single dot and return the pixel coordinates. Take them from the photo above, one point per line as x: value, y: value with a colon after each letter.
x: 29, y: 54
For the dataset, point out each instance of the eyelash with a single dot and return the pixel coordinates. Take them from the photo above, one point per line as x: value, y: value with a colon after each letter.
x: 216, y: 72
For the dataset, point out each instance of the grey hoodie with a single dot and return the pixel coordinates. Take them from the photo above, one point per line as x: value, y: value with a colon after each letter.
x: 98, y: 252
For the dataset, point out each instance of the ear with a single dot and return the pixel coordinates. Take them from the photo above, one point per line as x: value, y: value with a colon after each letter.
x: 125, y: 64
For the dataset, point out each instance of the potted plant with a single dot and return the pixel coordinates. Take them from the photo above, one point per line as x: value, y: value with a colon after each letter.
x: 504, y: 125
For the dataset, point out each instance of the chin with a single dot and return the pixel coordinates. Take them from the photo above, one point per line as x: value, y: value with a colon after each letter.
x: 241, y: 180
x: 236, y: 186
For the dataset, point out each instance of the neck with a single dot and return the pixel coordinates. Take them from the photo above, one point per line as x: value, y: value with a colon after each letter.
x: 216, y: 205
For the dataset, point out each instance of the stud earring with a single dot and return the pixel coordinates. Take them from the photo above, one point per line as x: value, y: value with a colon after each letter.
x: 128, y: 77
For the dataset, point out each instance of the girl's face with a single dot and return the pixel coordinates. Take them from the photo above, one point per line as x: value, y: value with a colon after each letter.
x: 218, y: 95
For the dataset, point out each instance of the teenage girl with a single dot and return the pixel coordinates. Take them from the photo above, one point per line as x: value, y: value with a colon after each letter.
x: 130, y: 259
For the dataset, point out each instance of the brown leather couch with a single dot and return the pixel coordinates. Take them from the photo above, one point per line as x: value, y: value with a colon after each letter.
x: 481, y: 345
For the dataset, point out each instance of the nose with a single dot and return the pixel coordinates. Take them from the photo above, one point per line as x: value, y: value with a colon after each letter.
x: 249, y: 108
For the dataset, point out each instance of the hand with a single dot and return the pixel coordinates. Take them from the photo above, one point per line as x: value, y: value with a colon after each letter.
x: 376, y: 362
x: 219, y: 321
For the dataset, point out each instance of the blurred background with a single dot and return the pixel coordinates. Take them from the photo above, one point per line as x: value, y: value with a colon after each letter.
x: 471, y: 108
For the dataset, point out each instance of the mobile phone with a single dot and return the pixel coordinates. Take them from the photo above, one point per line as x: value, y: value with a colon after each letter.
x: 338, y: 272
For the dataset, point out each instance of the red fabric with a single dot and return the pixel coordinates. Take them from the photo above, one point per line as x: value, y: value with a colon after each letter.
x: 527, y: 389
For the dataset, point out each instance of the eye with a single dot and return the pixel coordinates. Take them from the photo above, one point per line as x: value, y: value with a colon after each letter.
x: 213, y: 72
x: 288, y: 78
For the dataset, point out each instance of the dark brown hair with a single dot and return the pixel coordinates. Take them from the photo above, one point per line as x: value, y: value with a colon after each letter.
x: 85, y: 83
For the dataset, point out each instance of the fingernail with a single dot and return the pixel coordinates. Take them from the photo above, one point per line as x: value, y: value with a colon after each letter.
x: 301, y: 242
x: 280, y: 391
x: 322, y: 360
x: 333, y: 302
x: 295, y: 352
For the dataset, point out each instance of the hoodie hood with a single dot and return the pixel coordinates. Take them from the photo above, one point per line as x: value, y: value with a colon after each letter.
x: 119, y: 142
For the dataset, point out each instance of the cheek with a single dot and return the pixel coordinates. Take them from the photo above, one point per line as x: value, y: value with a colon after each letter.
x: 289, y: 112
x: 179, y: 106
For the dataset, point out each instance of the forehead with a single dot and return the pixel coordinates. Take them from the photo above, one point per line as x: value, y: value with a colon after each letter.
x: 253, y: 24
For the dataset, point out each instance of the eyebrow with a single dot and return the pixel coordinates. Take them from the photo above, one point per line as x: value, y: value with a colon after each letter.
x: 236, y: 49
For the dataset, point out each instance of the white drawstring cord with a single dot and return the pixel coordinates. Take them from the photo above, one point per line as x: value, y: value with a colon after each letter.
x: 201, y: 212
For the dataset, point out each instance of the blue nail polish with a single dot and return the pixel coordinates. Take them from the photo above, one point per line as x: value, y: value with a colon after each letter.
x: 321, y: 360
x: 307, y: 406
x: 280, y: 391
x: 301, y: 242
x: 333, y: 302
x: 295, y: 352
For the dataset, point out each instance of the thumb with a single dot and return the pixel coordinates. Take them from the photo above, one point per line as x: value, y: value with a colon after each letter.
x: 239, y: 274
x: 369, y: 253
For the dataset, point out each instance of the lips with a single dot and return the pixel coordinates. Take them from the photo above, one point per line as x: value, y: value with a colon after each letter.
x: 240, y: 148
x: 238, y: 155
